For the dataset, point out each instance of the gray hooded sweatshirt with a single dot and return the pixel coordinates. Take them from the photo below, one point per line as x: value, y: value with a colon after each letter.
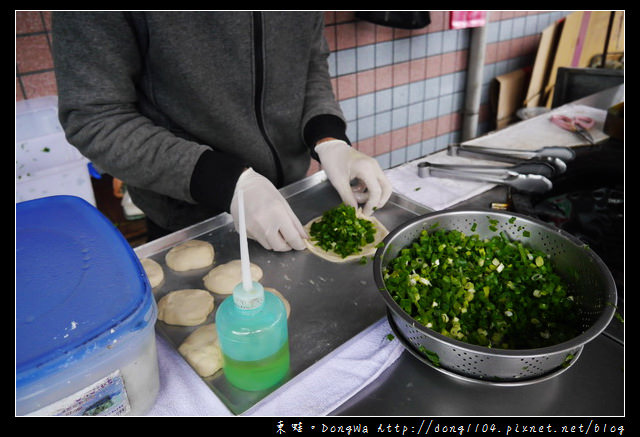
x: 178, y: 104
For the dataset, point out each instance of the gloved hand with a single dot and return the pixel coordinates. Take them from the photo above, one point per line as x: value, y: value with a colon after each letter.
x: 268, y: 217
x: 342, y: 164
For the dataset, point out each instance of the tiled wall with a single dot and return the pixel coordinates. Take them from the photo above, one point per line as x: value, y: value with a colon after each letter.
x: 34, y: 64
x: 402, y: 91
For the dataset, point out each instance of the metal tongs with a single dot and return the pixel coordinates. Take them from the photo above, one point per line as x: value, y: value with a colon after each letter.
x: 553, y: 155
x: 531, y: 173
x: 523, y: 177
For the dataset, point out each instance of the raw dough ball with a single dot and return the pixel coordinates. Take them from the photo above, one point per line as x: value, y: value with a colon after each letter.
x: 286, y: 303
x: 202, y: 350
x: 368, y: 250
x: 188, y: 307
x: 190, y: 255
x: 154, y: 271
x: 223, y: 278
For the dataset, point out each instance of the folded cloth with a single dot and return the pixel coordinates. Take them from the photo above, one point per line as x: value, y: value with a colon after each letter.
x: 182, y: 391
x: 334, y: 379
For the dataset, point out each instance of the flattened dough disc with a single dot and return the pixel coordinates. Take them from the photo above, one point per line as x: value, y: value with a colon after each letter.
x: 223, y: 278
x: 188, y: 307
x: 190, y: 255
x: 287, y: 305
x: 154, y: 271
x: 202, y: 350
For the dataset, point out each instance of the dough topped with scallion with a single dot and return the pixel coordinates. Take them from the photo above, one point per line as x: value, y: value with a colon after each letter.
x: 344, y: 234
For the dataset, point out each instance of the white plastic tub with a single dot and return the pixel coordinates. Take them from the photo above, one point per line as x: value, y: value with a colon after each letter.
x: 85, y: 314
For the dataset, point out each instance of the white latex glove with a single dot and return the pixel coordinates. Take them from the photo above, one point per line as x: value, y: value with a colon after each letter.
x: 342, y: 164
x: 268, y: 217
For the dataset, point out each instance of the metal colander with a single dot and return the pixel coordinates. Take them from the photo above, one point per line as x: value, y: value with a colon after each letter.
x: 595, y: 291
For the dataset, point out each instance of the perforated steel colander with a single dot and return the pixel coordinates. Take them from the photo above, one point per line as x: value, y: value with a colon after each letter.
x: 594, y: 286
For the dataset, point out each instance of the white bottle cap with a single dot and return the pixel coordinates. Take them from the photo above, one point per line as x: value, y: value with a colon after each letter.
x: 248, y: 299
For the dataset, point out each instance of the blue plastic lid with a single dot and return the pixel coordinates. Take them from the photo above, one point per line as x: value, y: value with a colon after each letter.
x: 79, y: 285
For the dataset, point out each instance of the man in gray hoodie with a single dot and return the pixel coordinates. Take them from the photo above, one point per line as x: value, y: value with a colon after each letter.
x: 187, y: 108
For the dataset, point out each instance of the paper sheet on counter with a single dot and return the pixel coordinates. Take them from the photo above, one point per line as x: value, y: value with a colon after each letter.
x: 532, y: 134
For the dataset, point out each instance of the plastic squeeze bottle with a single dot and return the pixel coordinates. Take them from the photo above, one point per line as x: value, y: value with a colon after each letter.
x: 252, y: 329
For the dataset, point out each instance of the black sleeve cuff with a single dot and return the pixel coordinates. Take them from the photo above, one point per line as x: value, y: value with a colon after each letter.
x: 214, y: 180
x: 324, y: 126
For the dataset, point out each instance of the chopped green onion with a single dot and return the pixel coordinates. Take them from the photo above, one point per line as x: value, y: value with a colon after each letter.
x: 339, y: 230
x: 492, y: 292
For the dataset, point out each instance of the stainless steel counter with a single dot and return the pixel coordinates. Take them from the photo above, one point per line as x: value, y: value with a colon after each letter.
x: 593, y: 386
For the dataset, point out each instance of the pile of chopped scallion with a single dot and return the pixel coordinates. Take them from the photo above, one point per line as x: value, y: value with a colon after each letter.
x: 339, y: 230
x: 491, y: 292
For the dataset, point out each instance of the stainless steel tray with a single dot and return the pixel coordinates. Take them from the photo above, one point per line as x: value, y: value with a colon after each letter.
x: 330, y: 303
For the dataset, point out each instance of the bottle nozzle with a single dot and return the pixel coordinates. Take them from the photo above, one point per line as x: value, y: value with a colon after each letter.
x: 248, y: 294
x: 244, y: 249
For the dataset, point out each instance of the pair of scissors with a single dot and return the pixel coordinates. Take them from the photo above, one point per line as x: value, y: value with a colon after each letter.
x: 579, y: 125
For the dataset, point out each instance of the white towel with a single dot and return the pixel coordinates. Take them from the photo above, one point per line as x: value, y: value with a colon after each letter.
x: 316, y: 391
x: 336, y: 378
x: 182, y: 391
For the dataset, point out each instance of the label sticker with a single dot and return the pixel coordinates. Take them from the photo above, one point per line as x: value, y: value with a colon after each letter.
x: 106, y: 397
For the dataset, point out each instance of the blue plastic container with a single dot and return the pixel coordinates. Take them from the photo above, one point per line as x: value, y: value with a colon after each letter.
x: 254, y: 338
x: 85, y: 314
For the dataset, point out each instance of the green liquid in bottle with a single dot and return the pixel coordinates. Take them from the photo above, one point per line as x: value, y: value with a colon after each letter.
x: 259, y: 374
x: 254, y: 338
